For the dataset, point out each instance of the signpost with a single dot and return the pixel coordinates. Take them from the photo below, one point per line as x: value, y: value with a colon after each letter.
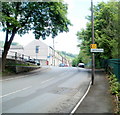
x: 93, y: 46
x: 37, y: 50
x: 97, y: 50
x: 48, y: 56
x: 93, y: 42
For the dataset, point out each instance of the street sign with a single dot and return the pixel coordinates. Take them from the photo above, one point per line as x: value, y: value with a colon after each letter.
x: 97, y: 50
x: 48, y: 56
x: 93, y: 46
x: 37, y: 49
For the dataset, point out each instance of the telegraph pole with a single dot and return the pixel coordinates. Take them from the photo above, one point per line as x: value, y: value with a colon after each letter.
x: 93, y: 56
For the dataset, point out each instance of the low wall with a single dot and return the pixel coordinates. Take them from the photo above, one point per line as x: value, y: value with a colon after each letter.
x: 19, y: 69
x: 10, y: 65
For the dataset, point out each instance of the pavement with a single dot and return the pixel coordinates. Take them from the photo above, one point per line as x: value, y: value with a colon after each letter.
x: 98, y: 99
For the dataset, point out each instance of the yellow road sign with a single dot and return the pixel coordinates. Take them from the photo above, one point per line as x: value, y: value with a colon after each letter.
x: 93, y: 46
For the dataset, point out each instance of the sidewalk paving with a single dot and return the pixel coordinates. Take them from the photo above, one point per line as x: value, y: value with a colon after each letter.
x: 98, y: 99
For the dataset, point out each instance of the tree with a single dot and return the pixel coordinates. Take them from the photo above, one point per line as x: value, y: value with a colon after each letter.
x: 106, y: 27
x: 44, y: 18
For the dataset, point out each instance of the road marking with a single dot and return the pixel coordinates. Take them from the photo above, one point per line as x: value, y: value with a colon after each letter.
x: 15, y: 91
x: 20, y: 77
x: 78, y: 104
x: 24, y: 88
x: 13, y: 78
x: 47, y: 80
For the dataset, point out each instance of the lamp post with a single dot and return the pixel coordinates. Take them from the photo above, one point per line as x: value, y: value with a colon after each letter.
x: 53, y: 52
x: 93, y: 56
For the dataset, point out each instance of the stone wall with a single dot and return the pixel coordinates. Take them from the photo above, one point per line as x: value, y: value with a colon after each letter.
x: 11, y: 65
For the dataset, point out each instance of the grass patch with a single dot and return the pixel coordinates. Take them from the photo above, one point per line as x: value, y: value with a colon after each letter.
x: 7, y: 72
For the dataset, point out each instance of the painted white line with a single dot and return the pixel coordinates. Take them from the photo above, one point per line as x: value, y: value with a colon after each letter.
x: 19, y: 77
x: 47, y: 80
x: 15, y: 91
x: 78, y: 104
x: 13, y: 78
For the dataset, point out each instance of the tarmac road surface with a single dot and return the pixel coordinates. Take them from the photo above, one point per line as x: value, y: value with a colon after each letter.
x: 52, y: 90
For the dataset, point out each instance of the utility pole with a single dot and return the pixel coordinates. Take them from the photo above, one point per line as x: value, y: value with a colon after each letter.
x: 93, y: 56
x: 53, y: 52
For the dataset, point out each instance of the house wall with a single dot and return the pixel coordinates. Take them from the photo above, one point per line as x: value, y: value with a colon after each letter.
x: 46, y: 54
x: 50, y: 54
x: 30, y: 49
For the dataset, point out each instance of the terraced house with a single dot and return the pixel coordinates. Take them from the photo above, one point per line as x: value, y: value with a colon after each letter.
x: 39, y: 50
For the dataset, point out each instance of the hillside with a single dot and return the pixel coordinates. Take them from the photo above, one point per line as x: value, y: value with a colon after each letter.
x: 69, y: 56
x: 14, y: 44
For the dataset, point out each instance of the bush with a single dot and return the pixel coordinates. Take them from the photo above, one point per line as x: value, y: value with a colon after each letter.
x: 115, y: 85
x: 115, y: 89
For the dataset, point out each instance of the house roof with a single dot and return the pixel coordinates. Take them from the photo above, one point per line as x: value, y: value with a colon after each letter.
x: 36, y: 42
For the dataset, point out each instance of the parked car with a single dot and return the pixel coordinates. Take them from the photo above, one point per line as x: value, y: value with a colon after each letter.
x: 31, y: 61
x: 37, y: 62
x: 61, y: 65
x: 81, y: 65
x: 66, y: 65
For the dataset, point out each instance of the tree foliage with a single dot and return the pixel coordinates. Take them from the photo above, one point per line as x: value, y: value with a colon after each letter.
x: 106, y: 36
x: 43, y: 18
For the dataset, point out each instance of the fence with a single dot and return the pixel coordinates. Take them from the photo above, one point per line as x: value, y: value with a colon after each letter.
x: 113, y: 66
x: 16, y: 56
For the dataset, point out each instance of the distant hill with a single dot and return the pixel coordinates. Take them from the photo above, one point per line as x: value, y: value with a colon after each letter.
x: 14, y: 44
x: 68, y: 55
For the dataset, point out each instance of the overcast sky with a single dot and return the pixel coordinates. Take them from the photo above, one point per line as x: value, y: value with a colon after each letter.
x: 77, y: 11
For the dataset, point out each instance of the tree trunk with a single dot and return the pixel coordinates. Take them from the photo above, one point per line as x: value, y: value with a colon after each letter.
x: 6, y: 48
x: 4, y: 55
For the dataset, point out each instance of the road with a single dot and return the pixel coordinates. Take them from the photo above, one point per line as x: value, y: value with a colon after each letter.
x: 51, y: 90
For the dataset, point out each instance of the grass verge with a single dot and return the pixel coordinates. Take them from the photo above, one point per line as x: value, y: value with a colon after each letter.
x: 115, y: 91
x: 7, y: 73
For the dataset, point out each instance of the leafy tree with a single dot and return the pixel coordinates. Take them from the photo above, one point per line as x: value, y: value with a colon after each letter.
x: 43, y: 18
x: 77, y: 60
x: 106, y: 27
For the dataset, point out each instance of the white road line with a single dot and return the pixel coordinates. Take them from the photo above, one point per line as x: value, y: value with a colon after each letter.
x: 13, y: 78
x: 78, y: 104
x: 18, y: 76
x: 47, y: 80
x: 15, y: 91
x: 24, y: 88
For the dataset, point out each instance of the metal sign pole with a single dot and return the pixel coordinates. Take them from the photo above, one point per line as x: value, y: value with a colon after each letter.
x: 93, y: 56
